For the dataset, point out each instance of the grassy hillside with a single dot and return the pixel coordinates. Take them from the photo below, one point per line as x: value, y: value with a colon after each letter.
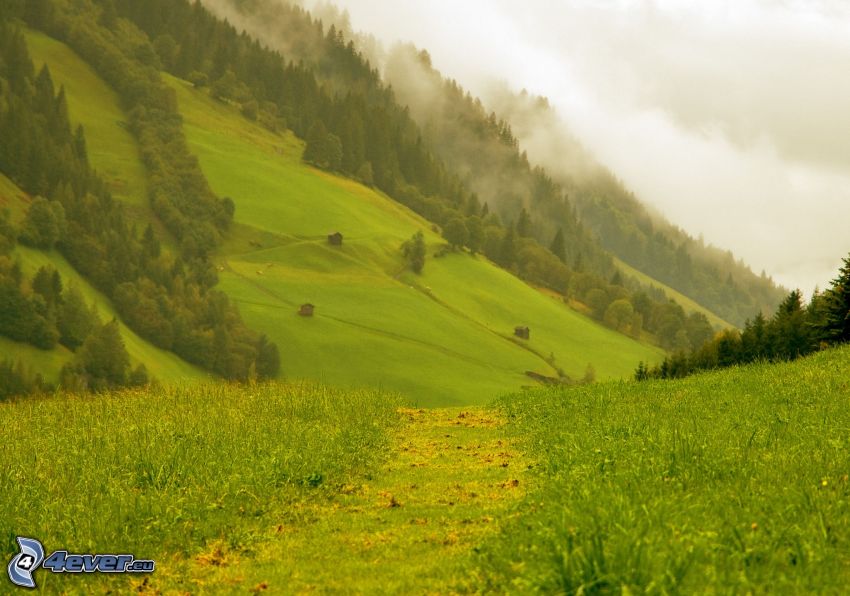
x: 163, y: 365
x: 442, y: 338
x: 112, y: 149
x: 726, y: 482
x: 445, y: 337
x: 688, y: 304
x: 91, y: 102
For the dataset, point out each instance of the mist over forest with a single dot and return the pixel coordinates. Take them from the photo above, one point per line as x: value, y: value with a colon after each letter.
x: 728, y: 118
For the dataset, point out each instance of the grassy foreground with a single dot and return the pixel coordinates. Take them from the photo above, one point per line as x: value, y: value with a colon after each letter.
x: 166, y: 474
x: 728, y: 482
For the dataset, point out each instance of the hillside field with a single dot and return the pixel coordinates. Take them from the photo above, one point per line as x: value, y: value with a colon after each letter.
x: 445, y: 337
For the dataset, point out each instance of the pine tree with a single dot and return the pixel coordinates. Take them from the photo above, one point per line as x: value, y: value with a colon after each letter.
x: 837, y: 307
x: 455, y: 232
x: 558, y: 246
x: 104, y: 358
x: 523, y: 225
x: 790, y: 324
x: 316, y: 150
x: 75, y: 320
x: 414, y: 252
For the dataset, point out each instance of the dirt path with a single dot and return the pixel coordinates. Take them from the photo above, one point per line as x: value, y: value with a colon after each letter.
x: 409, y: 529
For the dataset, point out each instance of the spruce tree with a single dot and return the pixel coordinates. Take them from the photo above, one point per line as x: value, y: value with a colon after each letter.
x: 558, y: 246
x: 414, y: 252
x: 837, y: 307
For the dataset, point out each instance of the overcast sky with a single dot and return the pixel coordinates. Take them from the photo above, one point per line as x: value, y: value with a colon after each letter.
x: 731, y: 118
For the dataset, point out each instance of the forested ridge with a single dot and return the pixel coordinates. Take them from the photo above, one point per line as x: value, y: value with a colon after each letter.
x: 560, y: 185
x: 168, y: 299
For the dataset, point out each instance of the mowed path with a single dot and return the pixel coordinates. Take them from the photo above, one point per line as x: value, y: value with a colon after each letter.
x: 449, y: 482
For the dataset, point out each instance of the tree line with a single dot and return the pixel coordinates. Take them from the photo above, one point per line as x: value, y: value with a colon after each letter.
x: 42, y: 312
x: 168, y: 299
x: 795, y: 329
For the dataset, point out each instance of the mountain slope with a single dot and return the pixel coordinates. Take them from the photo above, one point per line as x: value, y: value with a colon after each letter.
x: 161, y: 364
x: 445, y: 337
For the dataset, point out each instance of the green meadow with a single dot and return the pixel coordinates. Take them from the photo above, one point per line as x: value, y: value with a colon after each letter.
x: 443, y: 338
x: 180, y: 473
x: 726, y: 482
x: 733, y: 481
x: 94, y: 105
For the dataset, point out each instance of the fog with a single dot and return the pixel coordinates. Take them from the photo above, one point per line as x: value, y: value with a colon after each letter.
x: 730, y: 118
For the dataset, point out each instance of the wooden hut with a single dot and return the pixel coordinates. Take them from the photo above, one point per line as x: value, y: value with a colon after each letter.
x: 522, y: 332
x: 306, y: 310
x: 335, y: 239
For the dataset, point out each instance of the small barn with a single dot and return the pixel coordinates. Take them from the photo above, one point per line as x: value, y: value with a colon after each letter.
x: 306, y: 310
x: 522, y: 332
x: 335, y: 239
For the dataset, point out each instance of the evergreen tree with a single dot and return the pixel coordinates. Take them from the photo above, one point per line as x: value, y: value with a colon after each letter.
x: 414, y: 252
x: 44, y: 224
x: 475, y: 229
x: 523, y: 225
x: 837, y: 307
x: 316, y: 149
x: 790, y: 325
x: 75, y: 320
x: 558, y: 246
x: 455, y: 232
x: 48, y: 284
x: 103, y: 359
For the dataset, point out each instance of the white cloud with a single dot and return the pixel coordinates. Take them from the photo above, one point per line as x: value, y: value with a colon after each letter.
x: 730, y: 117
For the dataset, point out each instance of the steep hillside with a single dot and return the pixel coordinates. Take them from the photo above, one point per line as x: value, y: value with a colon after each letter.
x: 445, y: 337
x: 114, y: 153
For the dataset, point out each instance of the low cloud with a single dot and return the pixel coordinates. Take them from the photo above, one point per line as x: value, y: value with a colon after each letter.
x: 730, y: 118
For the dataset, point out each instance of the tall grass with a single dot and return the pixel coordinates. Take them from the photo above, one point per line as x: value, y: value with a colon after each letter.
x: 735, y: 481
x: 167, y: 470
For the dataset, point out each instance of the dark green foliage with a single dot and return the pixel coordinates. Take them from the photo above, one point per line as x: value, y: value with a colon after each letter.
x: 48, y: 283
x: 836, y: 307
x: 138, y: 377
x: 16, y: 380
x: 75, y: 320
x: 44, y: 225
x: 268, y: 358
x: 794, y: 331
x: 323, y: 148
x: 414, y: 252
x: 558, y: 246
x: 25, y: 316
x: 159, y: 296
x: 456, y: 233
x: 8, y: 234
x: 101, y: 363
